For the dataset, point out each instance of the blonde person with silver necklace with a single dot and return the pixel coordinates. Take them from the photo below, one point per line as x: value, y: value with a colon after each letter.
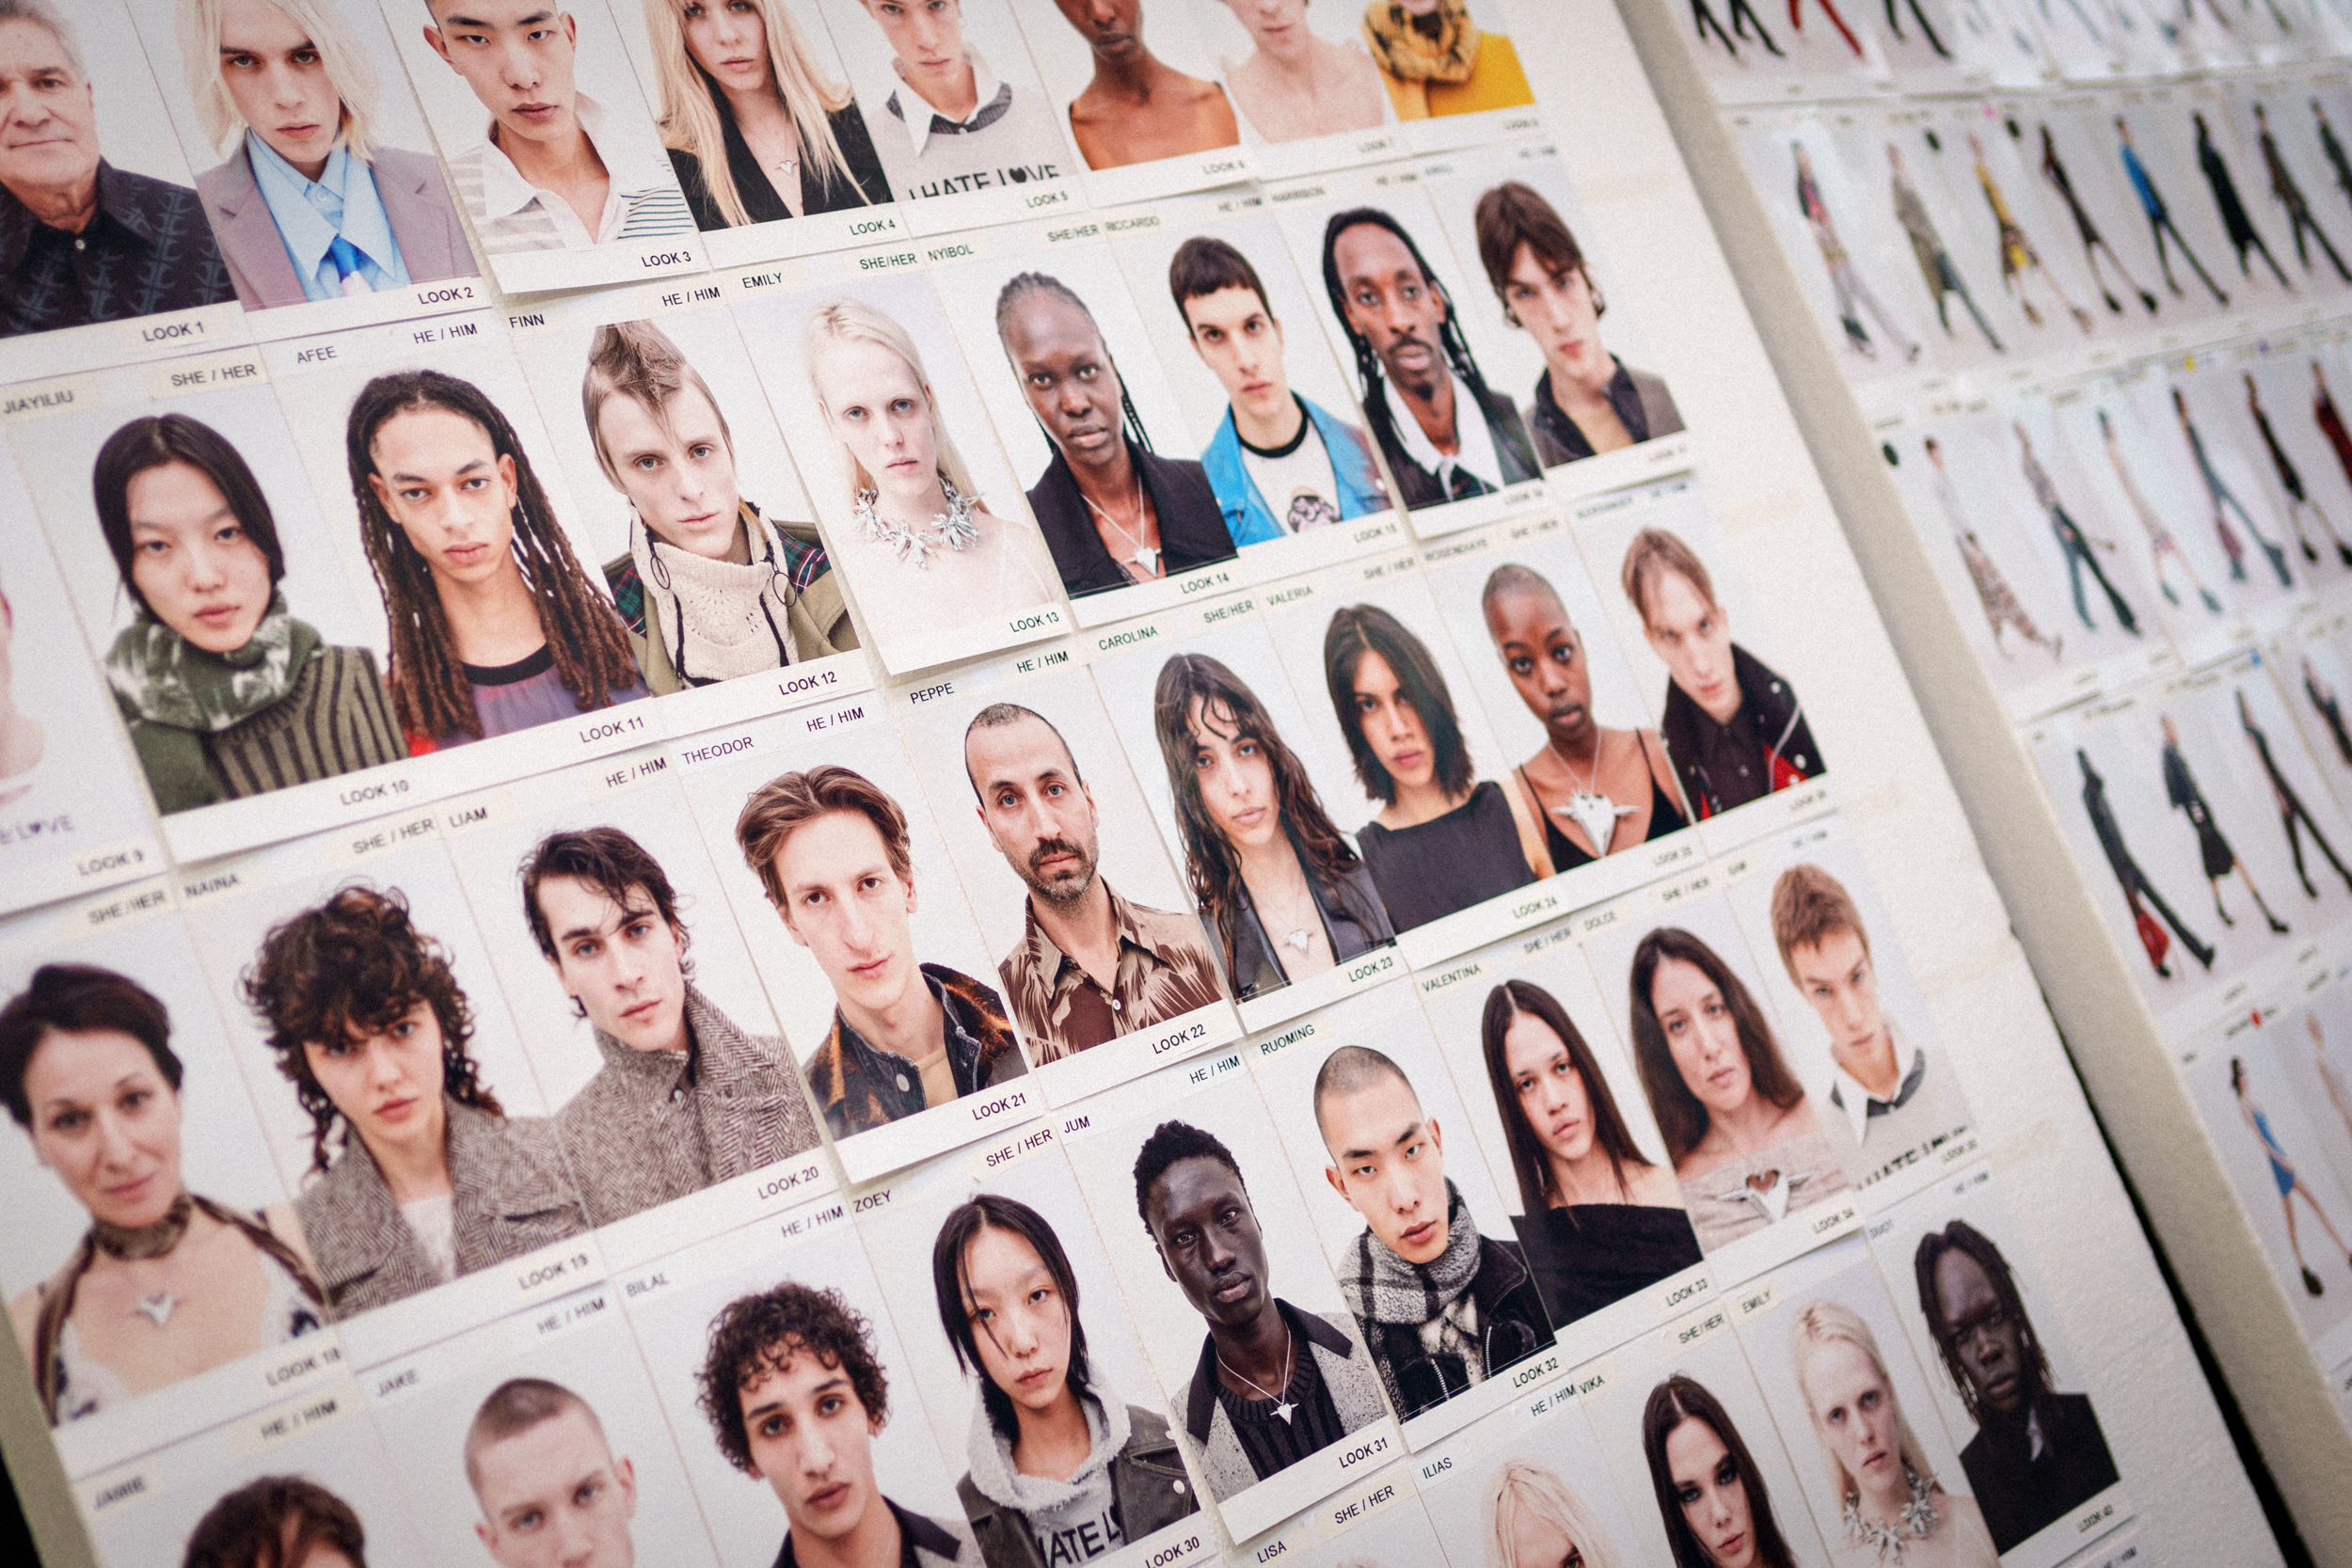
x: 925, y: 555
x: 164, y: 1284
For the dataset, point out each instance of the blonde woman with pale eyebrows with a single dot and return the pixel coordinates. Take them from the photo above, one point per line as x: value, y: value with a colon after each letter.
x: 754, y: 129
x: 1533, y: 1519
x: 307, y: 204
x: 1894, y: 1508
x: 926, y: 556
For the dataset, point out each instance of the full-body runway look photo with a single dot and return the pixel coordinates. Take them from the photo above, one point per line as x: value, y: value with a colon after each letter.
x: 2290, y: 1183
x: 2293, y: 817
x: 2073, y: 541
x: 2214, y: 850
x: 2290, y: 480
x: 2133, y: 880
x: 1852, y: 294
x: 2217, y: 490
x: 2161, y: 545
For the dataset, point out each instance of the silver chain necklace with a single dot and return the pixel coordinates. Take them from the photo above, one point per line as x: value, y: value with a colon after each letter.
x: 1594, y: 813
x: 1146, y: 556
x: 1282, y: 1407
x: 950, y: 530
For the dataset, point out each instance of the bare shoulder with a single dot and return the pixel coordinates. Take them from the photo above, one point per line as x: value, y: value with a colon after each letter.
x: 280, y: 1219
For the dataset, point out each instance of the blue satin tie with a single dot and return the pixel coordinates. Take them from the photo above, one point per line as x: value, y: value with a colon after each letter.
x: 345, y: 256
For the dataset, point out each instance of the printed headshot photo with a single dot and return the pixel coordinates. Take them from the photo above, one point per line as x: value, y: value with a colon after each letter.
x: 149, y: 1237
x: 1593, y: 1197
x: 1443, y: 428
x: 1749, y: 1139
x: 755, y: 109
x: 548, y: 139
x: 326, y: 1498
x: 103, y: 219
x: 795, y: 1407
x: 466, y: 523
x: 1443, y: 57
x: 1067, y: 1456
x: 1443, y: 834
x: 1277, y: 1371
x: 317, y: 171
x: 217, y: 593
x: 925, y: 519
x: 1134, y: 84
x: 1733, y: 726
x: 393, y: 1092
x: 2311, y: 1056
x: 704, y: 536
x: 1831, y: 1355
x: 1894, y: 1082
x: 1097, y: 937
x: 2032, y: 1452
x: 949, y: 95
x: 1537, y: 1498
x: 1549, y: 668
x: 1226, y: 770
x: 1543, y: 308
x: 1064, y: 361
x: 1297, y: 70
x: 633, y: 992
x: 843, y: 891
x: 1417, y: 1240
x: 1286, y: 453
x: 551, y: 1454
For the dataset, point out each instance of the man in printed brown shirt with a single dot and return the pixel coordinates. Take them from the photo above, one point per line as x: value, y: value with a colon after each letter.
x: 1090, y: 965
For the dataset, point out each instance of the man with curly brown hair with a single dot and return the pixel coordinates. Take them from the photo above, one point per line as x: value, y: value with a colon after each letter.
x: 796, y: 1397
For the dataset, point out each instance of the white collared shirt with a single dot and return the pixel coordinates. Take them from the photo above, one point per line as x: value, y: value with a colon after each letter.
x: 1474, y: 443
x: 1854, y: 1099
x: 510, y: 214
x: 984, y: 85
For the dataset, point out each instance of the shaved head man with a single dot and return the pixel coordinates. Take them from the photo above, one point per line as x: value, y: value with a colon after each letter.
x: 1441, y: 1307
x: 551, y: 1493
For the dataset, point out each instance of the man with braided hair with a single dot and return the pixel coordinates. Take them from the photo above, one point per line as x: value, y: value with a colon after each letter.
x: 1419, y: 377
x: 1113, y: 511
x: 494, y: 626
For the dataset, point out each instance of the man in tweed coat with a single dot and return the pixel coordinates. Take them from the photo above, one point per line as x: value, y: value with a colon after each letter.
x: 684, y: 1099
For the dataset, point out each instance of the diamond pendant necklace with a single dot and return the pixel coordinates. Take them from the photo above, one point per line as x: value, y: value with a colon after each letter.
x: 1282, y: 1407
x: 1594, y: 813
x: 1146, y: 556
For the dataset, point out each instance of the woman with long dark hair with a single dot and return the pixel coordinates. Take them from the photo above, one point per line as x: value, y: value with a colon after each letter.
x: 1710, y: 1495
x: 1048, y: 1446
x: 226, y: 694
x: 1444, y: 839
x: 1745, y: 1142
x: 495, y: 627
x: 1599, y: 1220
x: 433, y: 1181
x: 1288, y: 896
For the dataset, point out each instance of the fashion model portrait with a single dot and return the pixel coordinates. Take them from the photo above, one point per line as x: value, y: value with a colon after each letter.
x: 1588, y: 401
x: 165, y: 1283
x: 1436, y: 60
x: 949, y: 121
x: 308, y: 203
x: 547, y: 1480
x: 831, y: 854
x: 1711, y: 1496
x: 1090, y: 965
x: 1444, y: 840
x: 2291, y: 1185
x: 926, y: 553
x: 1280, y: 462
x: 225, y: 693
x: 1535, y: 1519
x: 1062, y: 1470
x: 495, y: 627
x: 278, y: 1519
x: 711, y: 587
x: 1286, y: 893
x: 755, y: 130
x: 429, y: 1178
x: 1136, y: 108
x: 1295, y: 84
x: 2038, y: 1454
x: 1747, y: 1142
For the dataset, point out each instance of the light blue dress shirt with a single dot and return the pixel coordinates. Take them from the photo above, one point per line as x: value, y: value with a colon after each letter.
x: 342, y: 204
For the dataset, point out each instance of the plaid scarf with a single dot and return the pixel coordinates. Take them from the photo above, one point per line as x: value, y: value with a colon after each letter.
x: 1434, y: 1298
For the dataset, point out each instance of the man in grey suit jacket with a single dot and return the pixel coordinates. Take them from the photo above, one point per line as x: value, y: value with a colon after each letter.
x: 308, y: 206
x: 685, y: 1099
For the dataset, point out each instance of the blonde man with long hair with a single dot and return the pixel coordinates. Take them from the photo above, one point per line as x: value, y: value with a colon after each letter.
x: 925, y: 553
x: 1533, y: 1519
x: 755, y: 130
x: 1892, y: 1506
x: 307, y: 203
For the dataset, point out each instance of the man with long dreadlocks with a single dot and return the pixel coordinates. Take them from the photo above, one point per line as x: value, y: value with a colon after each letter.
x: 1416, y: 366
x: 494, y: 626
x: 1113, y: 511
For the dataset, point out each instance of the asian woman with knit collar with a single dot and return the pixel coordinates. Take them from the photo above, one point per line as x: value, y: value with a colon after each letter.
x: 225, y: 692
x: 711, y: 588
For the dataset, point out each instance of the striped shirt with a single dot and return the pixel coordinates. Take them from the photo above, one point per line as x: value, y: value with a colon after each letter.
x: 642, y: 201
x: 337, y: 720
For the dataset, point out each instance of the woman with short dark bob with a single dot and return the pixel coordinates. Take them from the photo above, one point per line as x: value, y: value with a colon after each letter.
x: 1599, y: 1220
x: 1710, y: 1495
x: 1288, y: 896
x: 1444, y: 840
x: 163, y: 1283
x: 1743, y: 1138
x: 432, y: 1181
x: 226, y: 694
x: 279, y: 1522
x: 1048, y: 1447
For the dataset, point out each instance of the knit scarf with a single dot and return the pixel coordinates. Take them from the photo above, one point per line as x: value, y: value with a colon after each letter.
x: 1441, y: 47
x: 162, y: 677
x: 719, y: 620
x: 1431, y: 1298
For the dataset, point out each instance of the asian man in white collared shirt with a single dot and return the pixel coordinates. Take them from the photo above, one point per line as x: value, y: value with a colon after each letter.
x: 950, y: 125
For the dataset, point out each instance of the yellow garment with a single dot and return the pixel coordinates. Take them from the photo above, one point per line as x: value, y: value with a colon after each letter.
x: 1493, y: 81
